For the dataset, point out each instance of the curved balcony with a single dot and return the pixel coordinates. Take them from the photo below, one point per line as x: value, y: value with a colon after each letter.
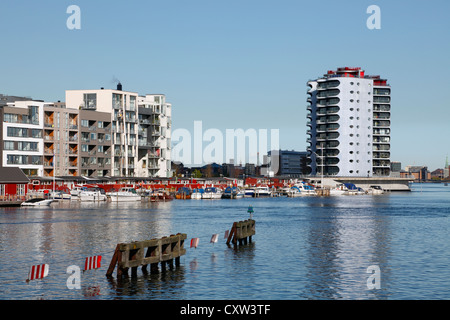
x: 328, y: 84
x: 327, y: 101
x: 328, y: 93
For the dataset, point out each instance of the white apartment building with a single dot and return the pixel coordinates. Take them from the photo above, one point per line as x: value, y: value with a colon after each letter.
x: 22, y: 140
x: 139, y: 148
x: 349, y: 124
x: 154, y: 136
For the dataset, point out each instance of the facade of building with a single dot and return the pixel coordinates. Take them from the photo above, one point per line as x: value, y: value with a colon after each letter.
x: 154, y: 136
x: 135, y: 132
x: 21, y: 134
x: 95, y: 133
x: 349, y: 124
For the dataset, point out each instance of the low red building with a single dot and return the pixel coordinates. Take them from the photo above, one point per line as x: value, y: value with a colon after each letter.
x: 13, y: 184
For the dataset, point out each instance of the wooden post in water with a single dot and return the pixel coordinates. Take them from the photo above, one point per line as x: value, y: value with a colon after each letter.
x: 242, y: 232
x: 142, y: 253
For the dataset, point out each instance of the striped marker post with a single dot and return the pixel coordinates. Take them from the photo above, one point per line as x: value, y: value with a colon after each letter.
x: 194, y: 242
x: 92, y: 263
x: 214, y: 238
x: 38, y: 272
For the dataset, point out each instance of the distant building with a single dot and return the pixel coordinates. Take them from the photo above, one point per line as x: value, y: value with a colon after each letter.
x: 420, y: 173
x: 437, y: 174
x: 396, y: 166
x: 290, y: 162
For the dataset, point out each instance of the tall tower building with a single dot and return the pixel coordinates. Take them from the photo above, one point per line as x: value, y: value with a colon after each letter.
x: 349, y: 124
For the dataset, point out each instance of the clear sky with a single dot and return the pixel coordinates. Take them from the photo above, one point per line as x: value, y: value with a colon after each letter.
x: 239, y: 64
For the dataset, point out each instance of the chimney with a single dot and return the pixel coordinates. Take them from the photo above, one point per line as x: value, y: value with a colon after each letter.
x: 119, y: 86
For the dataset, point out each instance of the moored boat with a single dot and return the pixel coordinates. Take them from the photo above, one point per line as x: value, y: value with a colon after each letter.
x: 183, y: 193
x: 124, y: 194
x: 353, y: 189
x: 212, y: 193
x: 375, y: 190
x: 249, y: 192
x: 339, y: 190
x: 93, y: 194
x: 232, y: 193
x: 197, y: 193
x: 262, y: 191
x: 37, y: 202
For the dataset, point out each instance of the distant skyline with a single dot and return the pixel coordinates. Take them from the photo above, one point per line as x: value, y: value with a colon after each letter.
x: 239, y: 64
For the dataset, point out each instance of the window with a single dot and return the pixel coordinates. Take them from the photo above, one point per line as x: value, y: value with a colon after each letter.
x: 90, y: 100
x: 8, y: 145
x: 17, y: 132
x: 36, y: 160
x: 27, y: 146
x: 20, y: 191
x: 36, y: 133
x: 17, y: 159
x: 100, y: 124
x: 85, y: 123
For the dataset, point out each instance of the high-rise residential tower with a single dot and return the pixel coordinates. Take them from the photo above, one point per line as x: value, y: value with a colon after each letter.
x: 349, y: 124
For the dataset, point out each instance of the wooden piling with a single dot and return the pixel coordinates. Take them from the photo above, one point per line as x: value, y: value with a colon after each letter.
x: 242, y: 232
x: 148, y: 252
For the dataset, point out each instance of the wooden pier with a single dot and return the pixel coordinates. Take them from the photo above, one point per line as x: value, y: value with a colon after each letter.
x: 242, y: 232
x: 165, y: 250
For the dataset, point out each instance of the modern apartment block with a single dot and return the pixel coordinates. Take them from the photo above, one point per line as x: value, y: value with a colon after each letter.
x: 349, y: 124
x: 95, y: 133
x: 154, y: 136
x: 134, y: 132
x: 21, y: 134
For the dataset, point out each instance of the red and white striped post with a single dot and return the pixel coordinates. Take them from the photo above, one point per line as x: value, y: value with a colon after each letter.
x: 92, y: 263
x: 38, y: 272
x: 194, y: 242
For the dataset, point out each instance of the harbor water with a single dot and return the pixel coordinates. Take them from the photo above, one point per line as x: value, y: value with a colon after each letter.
x: 304, y: 248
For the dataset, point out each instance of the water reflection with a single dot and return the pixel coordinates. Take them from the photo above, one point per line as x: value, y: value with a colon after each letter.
x: 304, y: 248
x: 345, y: 237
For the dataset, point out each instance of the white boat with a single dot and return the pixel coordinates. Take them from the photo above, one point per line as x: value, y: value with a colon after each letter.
x: 37, y: 202
x: 75, y: 192
x: 197, y: 194
x: 301, y: 190
x: 124, y: 194
x: 262, y: 191
x: 93, y: 194
x: 339, y: 190
x: 240, y: 194
x: 375, y: 190
x: 59, y: 195
x: 354, y: 190
x: 249, y: 192
x: 212, y: 193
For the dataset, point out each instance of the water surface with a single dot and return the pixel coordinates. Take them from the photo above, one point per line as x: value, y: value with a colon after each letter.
x: 304, y: 248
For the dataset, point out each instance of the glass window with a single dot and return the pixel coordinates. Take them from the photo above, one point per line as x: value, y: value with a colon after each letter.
x: 17, y: 132
x: 90, y: 100
x: 8, y: 145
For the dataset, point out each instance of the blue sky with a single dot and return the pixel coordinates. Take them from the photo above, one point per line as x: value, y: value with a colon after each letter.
x: 239, y: 64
